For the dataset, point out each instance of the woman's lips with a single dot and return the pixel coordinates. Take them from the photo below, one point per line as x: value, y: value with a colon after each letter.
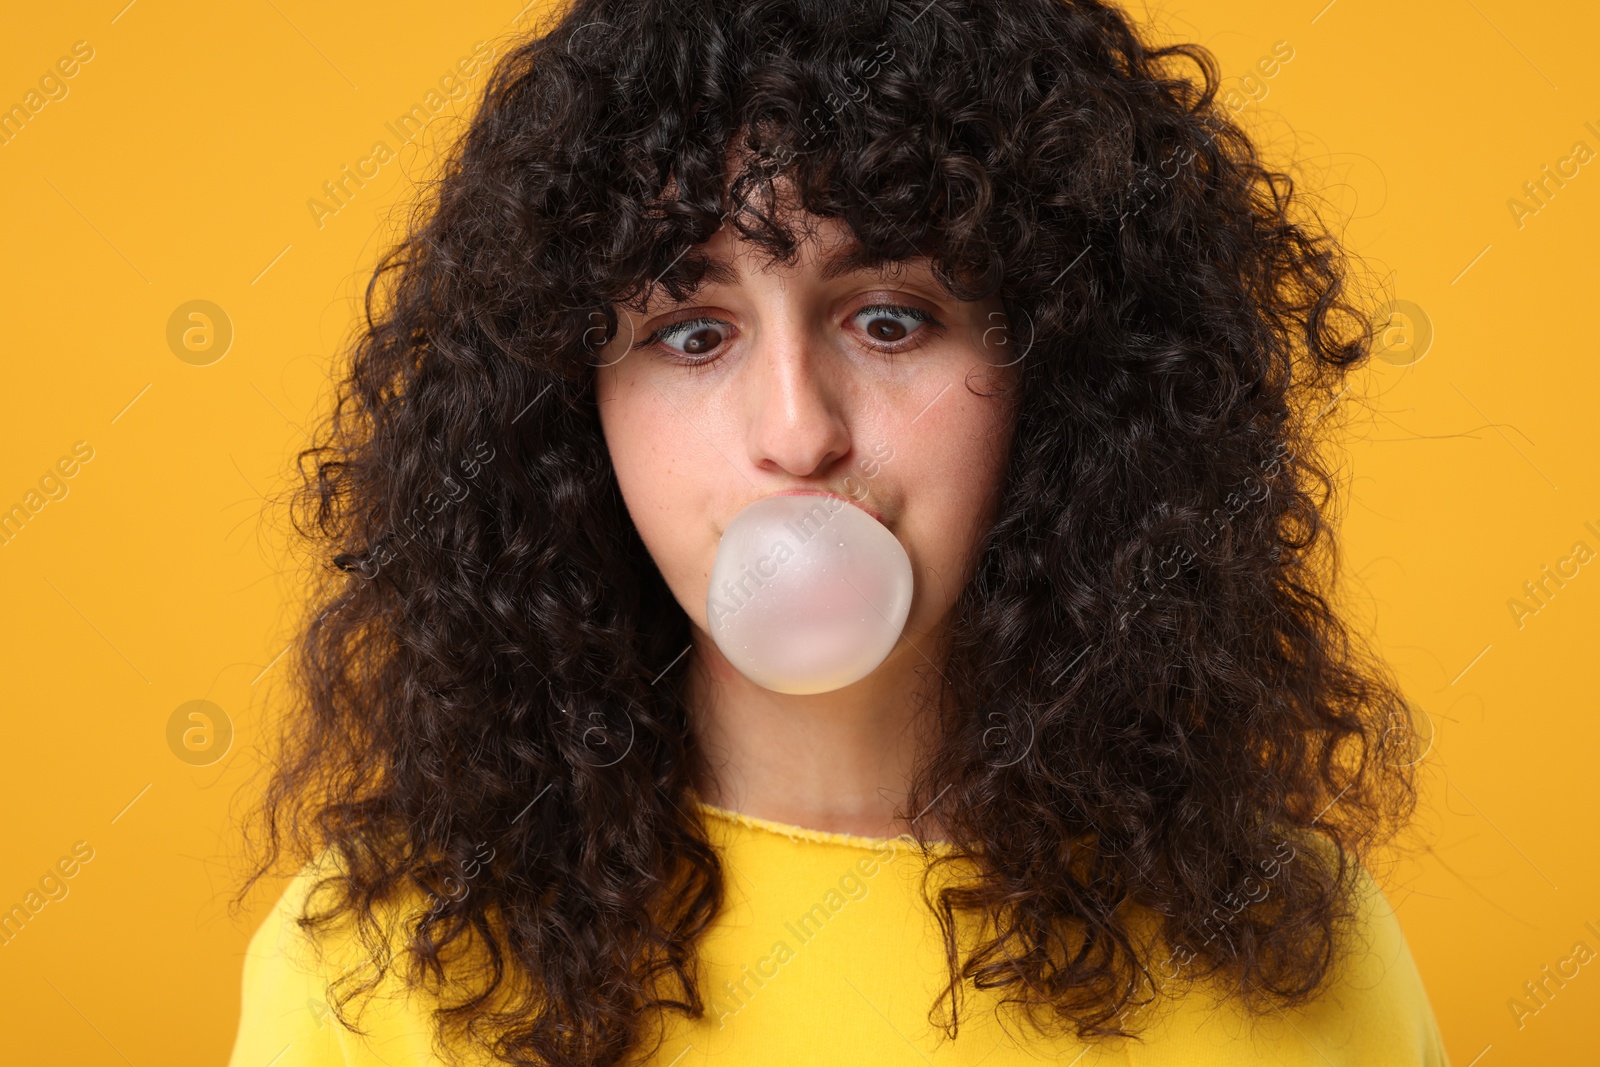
x: 819, y: 492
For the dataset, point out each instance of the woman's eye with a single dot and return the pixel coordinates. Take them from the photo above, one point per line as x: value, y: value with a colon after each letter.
x: 699, y: 336
x: 891, y: 322
x: 695, y: 341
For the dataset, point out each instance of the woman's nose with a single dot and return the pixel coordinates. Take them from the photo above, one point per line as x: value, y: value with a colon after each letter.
x: 796, y: 397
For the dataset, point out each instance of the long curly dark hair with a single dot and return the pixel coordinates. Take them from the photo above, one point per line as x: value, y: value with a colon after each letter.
x: 1148, y: 690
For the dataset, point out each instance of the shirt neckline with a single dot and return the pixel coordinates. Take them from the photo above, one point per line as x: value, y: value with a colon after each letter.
x: 827, y: 837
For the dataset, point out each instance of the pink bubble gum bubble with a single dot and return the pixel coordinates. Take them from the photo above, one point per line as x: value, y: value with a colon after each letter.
x: 808, y: 593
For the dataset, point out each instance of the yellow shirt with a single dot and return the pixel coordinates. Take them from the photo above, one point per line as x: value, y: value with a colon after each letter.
x: 825, y: 953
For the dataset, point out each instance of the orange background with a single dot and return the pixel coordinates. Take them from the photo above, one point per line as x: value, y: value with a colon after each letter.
x: 178, y: 166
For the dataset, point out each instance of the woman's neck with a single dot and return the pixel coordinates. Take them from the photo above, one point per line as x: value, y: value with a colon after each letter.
x: 839, y: 761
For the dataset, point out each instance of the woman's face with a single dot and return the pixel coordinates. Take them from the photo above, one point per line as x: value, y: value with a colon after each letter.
x: 770, y: 379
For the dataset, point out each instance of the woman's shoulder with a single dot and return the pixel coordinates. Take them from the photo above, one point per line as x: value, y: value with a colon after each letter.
x: 295, y: 973
x: 1373, y: 1011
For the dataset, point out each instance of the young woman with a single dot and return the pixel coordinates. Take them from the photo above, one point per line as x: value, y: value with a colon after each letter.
x: 1008, y: 281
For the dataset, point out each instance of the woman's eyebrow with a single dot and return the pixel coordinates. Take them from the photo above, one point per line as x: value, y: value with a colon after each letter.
x: 853, y: 256
x: 849, y: 258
